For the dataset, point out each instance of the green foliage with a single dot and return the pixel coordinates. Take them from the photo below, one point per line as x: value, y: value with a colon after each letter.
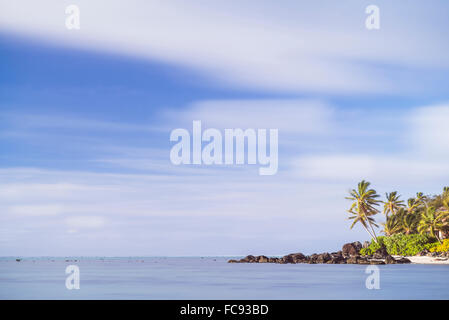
x: 437, y: 247
x: 433, y: 221
x: 373, y: 247
x: 392, y: 225
x: 401, y: 244
x: 409, y: 228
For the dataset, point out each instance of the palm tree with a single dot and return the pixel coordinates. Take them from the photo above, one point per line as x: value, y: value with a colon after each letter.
x: 445, y: 211
x: 421, y: 199
x: 432, y: 221
x: 412, y: 205
x: 393, y: 203
x: 445, y: 201
x: 392, y: 225
x: 363, y: 207
x: 409, y: 222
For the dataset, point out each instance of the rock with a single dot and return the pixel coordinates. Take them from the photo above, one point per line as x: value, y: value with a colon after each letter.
x: 390, y: 260
x: 323, y: 258
x: 295, y: 258
x: 362, y: 260
x: 403, y: 260
x: 298, y: 256
x: 18, y: 260
x: 366, y: 244
x: 339, y: 260
x: 337, y: 254
x: 350, y: 254
x: 358, y: 245
x: 336, y: 258
x: 381, y: 253
x: 357, y: 260
x: 352, y: 260
x: 313, y: 258
x: 351, y: 249
x: 288, y: 259
x: 248, y: 259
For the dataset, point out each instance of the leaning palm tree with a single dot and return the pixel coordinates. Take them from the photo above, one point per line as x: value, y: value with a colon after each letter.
x: 393, y: 203
x: 432, y: 221
x: 392, y: 225
x: 364, y: 207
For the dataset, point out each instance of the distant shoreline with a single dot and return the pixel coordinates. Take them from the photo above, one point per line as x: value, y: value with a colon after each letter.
x: 428, y: 260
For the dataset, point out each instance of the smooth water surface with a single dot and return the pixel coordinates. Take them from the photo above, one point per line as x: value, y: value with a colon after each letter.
x: 214, y: 278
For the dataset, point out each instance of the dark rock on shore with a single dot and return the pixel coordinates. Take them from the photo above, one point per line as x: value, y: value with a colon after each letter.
x: 390, y: 260
x: 403, y: 260
x: 351, y: 249
x: 350, y: 254
x: 381, y: 253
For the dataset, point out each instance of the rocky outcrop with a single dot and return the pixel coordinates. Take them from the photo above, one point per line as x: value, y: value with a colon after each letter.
x: 351, y: 249
x: 350, y: 254
x: 381, y: 253
x: 403, y: 260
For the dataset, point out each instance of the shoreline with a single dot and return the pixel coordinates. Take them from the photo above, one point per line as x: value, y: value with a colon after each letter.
x: 427, y: 260
x: 349, y: 254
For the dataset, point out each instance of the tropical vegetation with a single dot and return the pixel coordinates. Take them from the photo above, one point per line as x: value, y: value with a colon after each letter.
x: 422, y: 222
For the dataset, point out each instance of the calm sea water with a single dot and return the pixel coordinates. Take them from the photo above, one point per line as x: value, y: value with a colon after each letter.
x: 213, y: 278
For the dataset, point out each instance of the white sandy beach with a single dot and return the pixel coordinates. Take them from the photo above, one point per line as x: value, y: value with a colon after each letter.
x: 428, y: 260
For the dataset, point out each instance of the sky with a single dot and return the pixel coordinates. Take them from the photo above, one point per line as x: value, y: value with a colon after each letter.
x: 86, y: 116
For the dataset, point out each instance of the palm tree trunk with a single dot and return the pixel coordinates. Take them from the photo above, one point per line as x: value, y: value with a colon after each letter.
x: 372, y: 229
x: 374, y: 238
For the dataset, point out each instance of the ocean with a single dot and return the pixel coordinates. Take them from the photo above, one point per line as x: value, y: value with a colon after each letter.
x: 213, y: 278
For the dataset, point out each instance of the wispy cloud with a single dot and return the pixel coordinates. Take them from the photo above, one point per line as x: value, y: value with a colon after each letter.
x: 430, y: 130
x: 195, y: 203
x: 290, y: 116
x: 268, y: 48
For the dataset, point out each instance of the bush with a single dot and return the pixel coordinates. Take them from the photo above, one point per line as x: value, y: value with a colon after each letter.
x: 437, y: 247
x: 401, y: 244
x: 373, y: 247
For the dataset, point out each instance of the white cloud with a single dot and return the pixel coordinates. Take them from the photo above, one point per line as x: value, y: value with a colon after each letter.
x: 289, y: 116
x: 297, y: 47
x: 416, y: 159
x: 383, y: 168
x: 429, y: 130
x: 305, y: 198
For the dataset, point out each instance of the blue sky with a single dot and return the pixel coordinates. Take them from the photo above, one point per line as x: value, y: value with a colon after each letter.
x: 85, y: 119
